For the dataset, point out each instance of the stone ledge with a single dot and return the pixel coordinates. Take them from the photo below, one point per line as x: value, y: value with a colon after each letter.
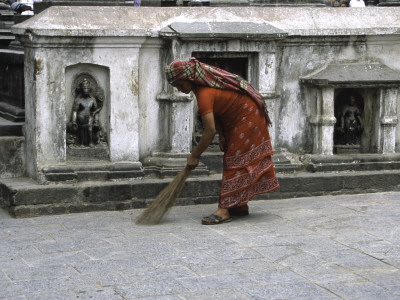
x: 92, y: 170
x: 23, y: 197
x: 352, y: 162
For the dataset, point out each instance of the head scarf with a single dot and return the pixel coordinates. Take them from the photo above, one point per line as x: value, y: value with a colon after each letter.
x: 205, y: 75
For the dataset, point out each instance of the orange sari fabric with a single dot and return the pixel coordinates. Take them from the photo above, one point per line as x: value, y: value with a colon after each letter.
x: 248, y: 168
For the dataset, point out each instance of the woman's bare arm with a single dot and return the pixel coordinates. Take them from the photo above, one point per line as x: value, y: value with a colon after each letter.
x: 205, y: 140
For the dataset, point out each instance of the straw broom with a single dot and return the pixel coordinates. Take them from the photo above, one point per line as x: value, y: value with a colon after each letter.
x: 164, y: 200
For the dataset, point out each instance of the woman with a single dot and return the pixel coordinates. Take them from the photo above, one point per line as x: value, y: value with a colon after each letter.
x: 230, y: 106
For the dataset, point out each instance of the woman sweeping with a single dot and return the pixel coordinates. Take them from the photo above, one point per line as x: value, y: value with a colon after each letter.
x: 230, y: 106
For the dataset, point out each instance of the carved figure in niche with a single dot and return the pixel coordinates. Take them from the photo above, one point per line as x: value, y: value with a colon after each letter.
x: 351, y: 125
x: 85, y: 128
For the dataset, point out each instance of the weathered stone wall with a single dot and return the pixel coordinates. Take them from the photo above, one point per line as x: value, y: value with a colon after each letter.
x: 299, y: 57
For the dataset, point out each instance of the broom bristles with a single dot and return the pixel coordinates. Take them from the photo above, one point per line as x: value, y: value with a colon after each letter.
x: 164, y: 200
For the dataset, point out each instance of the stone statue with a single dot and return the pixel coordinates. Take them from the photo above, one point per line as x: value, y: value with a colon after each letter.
x: 350, y: 123
x: 85, y: 120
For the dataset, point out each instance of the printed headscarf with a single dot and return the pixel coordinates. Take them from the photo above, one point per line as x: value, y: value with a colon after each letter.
x: 205, y: 75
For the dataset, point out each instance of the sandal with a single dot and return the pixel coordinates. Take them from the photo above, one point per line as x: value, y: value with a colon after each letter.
x: 239, y: 211
x: 215, y: 220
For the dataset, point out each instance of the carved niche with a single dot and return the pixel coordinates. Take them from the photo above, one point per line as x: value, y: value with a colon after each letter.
x: 84, y: 128
x: 349, y: 106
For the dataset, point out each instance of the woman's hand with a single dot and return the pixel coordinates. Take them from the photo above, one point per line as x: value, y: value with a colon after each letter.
x: 222, y: 143
x: 205, y: 141
x: 192, y: 163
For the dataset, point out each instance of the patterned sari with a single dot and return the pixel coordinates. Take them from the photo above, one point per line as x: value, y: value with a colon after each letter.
x: 248, y: 168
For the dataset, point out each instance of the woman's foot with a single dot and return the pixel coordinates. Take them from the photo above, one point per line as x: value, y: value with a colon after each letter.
x: 239, y: 211
x: 220, y: 216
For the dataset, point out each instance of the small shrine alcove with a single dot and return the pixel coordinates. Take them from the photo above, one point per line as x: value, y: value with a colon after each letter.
x: 365, y: 96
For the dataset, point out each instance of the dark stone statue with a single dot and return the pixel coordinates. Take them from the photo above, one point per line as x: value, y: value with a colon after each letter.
x: 350, y: 125
x: 85, y: 128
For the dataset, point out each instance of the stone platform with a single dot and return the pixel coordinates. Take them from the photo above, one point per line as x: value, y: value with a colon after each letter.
x: 23, y: 197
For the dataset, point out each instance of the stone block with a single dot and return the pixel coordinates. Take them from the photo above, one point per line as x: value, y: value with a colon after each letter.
x: 12, y: 162
x: 37, y: 195
x: 100, y: 193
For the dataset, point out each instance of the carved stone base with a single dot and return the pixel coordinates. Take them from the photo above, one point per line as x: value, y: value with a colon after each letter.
x: 98, y: 152
x: 164, y: 164
x: 342, y: 149
x: 90, y: 170
x: 359, y: 162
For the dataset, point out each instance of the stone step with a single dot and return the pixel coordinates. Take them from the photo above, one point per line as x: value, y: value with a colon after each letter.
x: 8, y: 128
x: 353, y: 162
x: 23, y: 197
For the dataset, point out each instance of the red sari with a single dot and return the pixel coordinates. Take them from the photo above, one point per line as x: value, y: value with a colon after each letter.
x: 248, y: 168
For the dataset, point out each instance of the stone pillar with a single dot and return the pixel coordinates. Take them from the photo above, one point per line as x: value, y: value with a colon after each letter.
x: 388, y: 120
x: 177, y: 121
x: 266, y: 72
x: 323, y: 122
x: 176, y: 124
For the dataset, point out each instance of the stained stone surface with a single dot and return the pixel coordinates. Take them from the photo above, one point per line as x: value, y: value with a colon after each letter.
x: 330, y: 247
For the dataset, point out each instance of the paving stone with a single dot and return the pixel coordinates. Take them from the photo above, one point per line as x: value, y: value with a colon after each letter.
x: 278, y: 253
x: 275, y: 277
x: 19, y: 274
x: 159, y: 273
x: 384, y: 278
x: 361, y: 291
x: 12, y: 261
x: 257, y: 238
x: 305, y: 248
x: 99, y: 293
x: 215, y: 267
x: 326, y: 273
x: 233, y: 253
x: 215, y: 294
x: 392, y: 260
x: 395, y: 289
x: 70, y: 245
x: 205, y: 283
x: 99, y: 280
x: 36, y: 260
x: 302, y: 258
x: 50, y: 285
x: 358, y: 261
x: 297, y: 290
x: 315, y: 243
x: 154, y: 288
x: 166, y: 297
x: 16, y: 298
x: 111, y: 265
x: 125, y: 251
x: 54, y: 295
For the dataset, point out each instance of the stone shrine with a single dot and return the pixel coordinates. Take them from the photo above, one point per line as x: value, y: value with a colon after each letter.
x: 303, y: 60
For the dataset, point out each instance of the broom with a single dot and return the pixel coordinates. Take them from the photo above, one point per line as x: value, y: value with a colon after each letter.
x: 164, y: 200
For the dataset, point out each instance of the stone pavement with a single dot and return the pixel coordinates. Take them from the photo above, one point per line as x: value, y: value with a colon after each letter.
x: 330, y: 247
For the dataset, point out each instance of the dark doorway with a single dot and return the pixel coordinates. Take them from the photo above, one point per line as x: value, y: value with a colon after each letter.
x: 235, y: 65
